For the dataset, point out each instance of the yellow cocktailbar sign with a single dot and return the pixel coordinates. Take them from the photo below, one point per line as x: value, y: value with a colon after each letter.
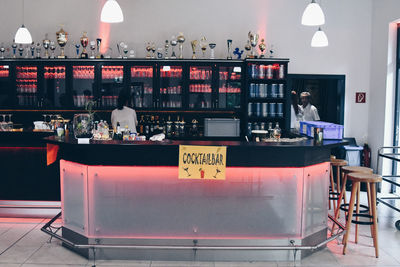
x: 202, y: 162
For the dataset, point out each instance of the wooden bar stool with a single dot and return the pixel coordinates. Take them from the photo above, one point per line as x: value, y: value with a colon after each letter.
x: 370, y: 179
x: 334, y: 192
x: 345, y: 206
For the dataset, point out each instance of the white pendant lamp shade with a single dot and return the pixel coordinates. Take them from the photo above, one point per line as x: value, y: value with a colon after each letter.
x: 319, y: 39
x: 23, y: 36
x: 313, y: 15
x: 111, y: 12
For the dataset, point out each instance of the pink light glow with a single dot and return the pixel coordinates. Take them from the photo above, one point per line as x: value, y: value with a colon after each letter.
x: 104, y: 31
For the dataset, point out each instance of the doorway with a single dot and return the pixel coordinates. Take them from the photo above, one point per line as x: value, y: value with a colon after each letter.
x: 327, y: 93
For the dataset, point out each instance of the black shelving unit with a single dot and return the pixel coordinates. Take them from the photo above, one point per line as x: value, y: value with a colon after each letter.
x: 265, y: 90
x: 102, y: 79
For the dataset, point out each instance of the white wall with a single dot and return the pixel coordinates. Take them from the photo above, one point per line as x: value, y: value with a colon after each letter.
x: 348, y: 28
x: 382, y: 73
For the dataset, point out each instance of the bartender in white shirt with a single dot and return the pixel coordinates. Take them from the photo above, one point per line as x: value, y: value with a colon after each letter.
x: 310, y: 112
x: 124, y: 115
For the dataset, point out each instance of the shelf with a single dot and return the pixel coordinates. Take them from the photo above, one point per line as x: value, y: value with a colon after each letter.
x: 255, y: 119
x: 265, y: 99
x: 267, y: 81
x: 200, y: 81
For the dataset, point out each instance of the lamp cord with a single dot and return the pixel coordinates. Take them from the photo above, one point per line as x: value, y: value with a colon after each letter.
x: 23, y: 12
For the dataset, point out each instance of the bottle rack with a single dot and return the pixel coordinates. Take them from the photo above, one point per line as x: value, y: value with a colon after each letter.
x: 27, y: 87
x: 83, y: 72
x: 115, y: 73
x: 57, y: 72
x: 267, y: 96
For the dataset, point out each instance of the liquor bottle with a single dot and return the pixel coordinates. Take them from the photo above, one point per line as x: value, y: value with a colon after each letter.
x: 118, y: 134
x: 176, y: 127
x: 270, y: 130
x: 152, y: 126
x: 169, y: 127
x: 277, y: 131
x: 141, y: 125
x: 146, y: 127
x: 182, y: 128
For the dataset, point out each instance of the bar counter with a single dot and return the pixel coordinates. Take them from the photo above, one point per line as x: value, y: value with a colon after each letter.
x: 129, y: 194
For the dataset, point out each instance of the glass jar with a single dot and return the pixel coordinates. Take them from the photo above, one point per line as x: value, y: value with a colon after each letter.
x: 83, y: 126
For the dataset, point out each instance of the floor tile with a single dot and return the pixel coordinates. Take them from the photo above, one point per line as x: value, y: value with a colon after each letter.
x: 246, y: 264
x: 56, y: 255
x: 121, y: 263
x: 181, y: 264
x: 17, y: 254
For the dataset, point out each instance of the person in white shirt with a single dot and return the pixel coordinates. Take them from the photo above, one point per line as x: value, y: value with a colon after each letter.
x: 310, y: 112
x: 124, y: 115
x: 296, y: 112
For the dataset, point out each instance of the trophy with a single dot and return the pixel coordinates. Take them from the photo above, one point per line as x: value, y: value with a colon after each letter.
x: 46, y: 45
x: 238, y: 53
x: 212, y: 46
x: 181, y: 39
x: 21, y: 50
x: 92, y: 46
x: 159, y: 53
x: 247, y: 47
x: 194, y: 45
x: 62, y: 38
x: 174, y: 42
x: 2, y: 50
x: 271, y: 50
x: 166, y: 47
x: 98, y: 43
x: 120, y: 46
x: 84, y: 42
x: 153, y: 50
x: 253, y: 37
x: 32, y: 47
x: 262, y: 48
x: 229, y: 43
x: 203, y: 46
x: 38, y: 50
x: 14, y: 47
x: 52, y: 47
x: 148, y: 49
x: 132, y: 53
x: 125, y: 50
x: 77, y: 46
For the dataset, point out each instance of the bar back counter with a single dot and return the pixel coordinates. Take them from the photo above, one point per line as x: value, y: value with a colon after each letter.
x: 124, y: 200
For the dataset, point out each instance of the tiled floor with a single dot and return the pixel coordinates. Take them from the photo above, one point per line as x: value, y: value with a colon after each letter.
x: 23, y: 244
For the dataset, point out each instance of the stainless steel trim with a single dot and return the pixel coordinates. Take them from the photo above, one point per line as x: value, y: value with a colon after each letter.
x: 48, y: 231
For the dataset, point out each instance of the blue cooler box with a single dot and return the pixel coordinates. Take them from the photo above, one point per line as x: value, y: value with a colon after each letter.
x: 331, y: 130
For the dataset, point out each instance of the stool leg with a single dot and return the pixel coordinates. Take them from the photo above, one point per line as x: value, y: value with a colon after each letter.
x: 333, y: 190
x: 375, y: 219
x: 337, y: 210
x: 370, y: 207
x: 338, y: 178
x: 344, y: 181
x: 350, y: 216
x: 357, y: 211
x: 342, y: 194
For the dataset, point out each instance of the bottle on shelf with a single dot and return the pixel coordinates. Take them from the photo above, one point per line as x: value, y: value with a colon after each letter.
x: 277, y: 131
x: 270, y: 130
x: 141, y: 125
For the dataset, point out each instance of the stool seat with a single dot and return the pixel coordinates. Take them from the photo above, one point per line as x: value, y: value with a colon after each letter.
x: 364, y: 177
x: 348, y: 169
x: 338, y: 162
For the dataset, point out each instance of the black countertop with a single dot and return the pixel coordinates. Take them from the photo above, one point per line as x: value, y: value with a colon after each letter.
x: 165, y: 153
